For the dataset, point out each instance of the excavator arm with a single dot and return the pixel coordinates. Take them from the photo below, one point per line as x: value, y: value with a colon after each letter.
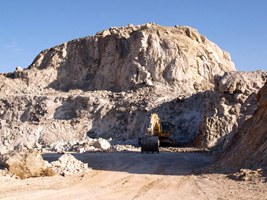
x: 154, y: 125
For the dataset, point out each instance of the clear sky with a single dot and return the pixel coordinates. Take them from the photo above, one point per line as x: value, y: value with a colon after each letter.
x: 30, y: 26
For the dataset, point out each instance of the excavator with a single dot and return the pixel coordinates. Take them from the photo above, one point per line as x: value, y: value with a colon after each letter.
x: 158, y: 133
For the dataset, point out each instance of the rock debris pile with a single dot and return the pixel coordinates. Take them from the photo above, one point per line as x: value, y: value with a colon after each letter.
x: 229, y: 107
x: 29, y: 163
x: 67, y: 164
x: 248, y: 175
x: 86, y: 145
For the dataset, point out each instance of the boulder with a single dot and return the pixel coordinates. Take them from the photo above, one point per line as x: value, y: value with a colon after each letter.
x: 28, y: 163
x: 102, y: 144
x: 19, y: 69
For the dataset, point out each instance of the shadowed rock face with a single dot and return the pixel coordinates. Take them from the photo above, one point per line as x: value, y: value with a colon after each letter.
x: 108, y: 85
x: 249, y: 146
x: 233, y: 102
x: 130, y: 57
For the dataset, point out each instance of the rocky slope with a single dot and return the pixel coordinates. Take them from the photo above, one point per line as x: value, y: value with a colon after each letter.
x: 129, y: 57
x: 107, y: 86
x: 232, y: 103
x: 249, y: 146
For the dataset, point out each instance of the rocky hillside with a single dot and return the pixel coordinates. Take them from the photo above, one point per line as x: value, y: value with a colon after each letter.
x: 230, y: 105
x: 248, y: 148
x: 119, y: 59
x: 107, y: 86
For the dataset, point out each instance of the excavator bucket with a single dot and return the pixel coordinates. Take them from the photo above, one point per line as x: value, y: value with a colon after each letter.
x: 150, y: 144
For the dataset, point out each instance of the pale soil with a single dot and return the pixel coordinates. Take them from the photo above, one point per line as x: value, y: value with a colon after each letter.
x: 132, y: 175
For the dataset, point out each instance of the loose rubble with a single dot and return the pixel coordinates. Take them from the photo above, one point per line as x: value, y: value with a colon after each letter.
x: 29, y: 163
x: 67, y: 164
x: 248, y: 175
x: 86, y: 145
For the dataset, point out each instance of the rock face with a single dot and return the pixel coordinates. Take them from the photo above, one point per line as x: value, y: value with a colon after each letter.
x: 249, y: 145
x: 119, y: 59
x: 108, y: 85
x: 232, y: 103
x: 26, y: 164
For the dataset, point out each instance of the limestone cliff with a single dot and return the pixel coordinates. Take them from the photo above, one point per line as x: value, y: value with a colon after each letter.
x: 130, y: 57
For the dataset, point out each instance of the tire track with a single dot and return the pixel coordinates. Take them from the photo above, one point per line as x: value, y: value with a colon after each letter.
x: 146, y: 188
x: 123, y: 181
x: 201, y: 192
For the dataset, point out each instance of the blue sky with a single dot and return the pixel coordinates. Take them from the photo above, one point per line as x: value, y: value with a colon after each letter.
x: 30, y: 26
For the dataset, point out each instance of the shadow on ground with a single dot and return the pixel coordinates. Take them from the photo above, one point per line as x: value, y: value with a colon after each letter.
x: 164, y: 163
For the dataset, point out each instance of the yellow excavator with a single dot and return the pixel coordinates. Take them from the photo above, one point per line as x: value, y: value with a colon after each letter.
x: 158, y: 133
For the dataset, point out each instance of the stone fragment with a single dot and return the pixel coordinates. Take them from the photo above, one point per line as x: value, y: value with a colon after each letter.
x: 26, y: 164
x: 102, y: 144
x: 247, y: 175
x: 149, y: 83
x: 19, y: 69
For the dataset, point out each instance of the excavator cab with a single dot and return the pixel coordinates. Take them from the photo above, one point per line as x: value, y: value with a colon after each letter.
x: 165, y: 129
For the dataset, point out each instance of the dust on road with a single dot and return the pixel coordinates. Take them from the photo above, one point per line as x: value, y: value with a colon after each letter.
x: 132, y: 175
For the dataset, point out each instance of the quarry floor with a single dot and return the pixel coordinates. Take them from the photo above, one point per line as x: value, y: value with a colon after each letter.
x: 132, y: 175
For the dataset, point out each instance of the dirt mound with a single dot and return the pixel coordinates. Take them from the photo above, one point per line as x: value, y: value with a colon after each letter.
x: 29, y: 163
x: 68, y: 164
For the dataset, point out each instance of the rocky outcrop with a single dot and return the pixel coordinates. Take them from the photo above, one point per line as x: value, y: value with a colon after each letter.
x: 119, y: 59
x: 231, y: 104
x: 26, y: 164
x: 248, y: 148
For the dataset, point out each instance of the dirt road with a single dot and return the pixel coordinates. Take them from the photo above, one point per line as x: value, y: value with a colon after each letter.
x: 132, y: 175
